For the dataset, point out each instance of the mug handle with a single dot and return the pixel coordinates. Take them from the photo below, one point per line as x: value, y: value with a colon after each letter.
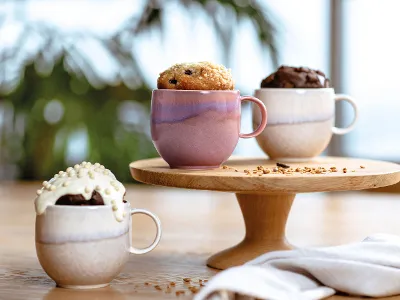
x: 158, y: 234
x: 340, y: 131
x: 263, y: 110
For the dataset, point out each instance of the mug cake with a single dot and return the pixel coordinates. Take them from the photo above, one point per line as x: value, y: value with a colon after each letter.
x: 196, y: 76
x: 195, y: 115
x: 301, y: 106
x: 83, y: 228
x: 296, y: 77
x: 84, y: 184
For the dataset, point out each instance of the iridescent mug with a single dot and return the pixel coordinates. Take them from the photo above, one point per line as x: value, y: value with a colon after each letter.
x: 199, y: 129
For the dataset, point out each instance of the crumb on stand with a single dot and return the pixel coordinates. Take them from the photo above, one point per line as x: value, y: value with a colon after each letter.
x: 288, y: 170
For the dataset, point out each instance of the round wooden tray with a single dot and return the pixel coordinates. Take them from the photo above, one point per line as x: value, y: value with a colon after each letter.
x: 266, y: 200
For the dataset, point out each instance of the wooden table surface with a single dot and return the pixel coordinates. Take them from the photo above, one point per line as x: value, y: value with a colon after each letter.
x: 196, y: 224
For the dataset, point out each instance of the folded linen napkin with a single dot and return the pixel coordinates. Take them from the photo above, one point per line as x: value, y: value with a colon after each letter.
x: 367, y: 268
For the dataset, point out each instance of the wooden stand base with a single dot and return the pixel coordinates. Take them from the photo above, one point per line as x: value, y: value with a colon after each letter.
x: 265, y: 219
x: 265, y: 200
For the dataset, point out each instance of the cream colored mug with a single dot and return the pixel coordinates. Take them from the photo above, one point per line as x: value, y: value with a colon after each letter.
x: 84, y: 247
x: 300, y: 121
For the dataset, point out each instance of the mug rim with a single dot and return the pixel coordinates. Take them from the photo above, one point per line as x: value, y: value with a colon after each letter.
x: 197, y: 91
x: 295, y: 89
x: 78, y: 207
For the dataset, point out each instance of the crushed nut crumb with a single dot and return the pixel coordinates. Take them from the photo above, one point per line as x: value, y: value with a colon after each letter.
x: 158, y: 288
x: 229, y: 168
x: 187, y: 279
x: 362, y: 167
x: 287, y: 170
x: 193, y: 289
x: 180, y: 292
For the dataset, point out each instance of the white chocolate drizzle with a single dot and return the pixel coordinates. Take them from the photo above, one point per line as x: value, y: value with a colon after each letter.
x: 82, y: 180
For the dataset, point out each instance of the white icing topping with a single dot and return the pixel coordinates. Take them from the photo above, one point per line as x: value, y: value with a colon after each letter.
x: 82, y: 180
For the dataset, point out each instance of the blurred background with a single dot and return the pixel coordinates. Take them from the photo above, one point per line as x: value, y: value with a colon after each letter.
x: 76, y: 76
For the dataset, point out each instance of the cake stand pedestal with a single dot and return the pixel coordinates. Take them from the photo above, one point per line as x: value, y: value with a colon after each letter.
x: 265, y: 201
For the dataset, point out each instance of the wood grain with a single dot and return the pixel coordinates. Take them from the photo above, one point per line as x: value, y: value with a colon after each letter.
x: 265, y: 200
x: 376, y: 174
x: 195, y: 223
x: 265, y: 218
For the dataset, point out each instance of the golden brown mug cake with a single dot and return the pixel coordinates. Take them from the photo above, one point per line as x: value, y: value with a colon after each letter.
x: 196, y: 76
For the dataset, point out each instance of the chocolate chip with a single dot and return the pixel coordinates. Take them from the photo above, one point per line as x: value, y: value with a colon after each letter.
x: 173, y: 81
x: 282, y: 165
x: 188, y: 72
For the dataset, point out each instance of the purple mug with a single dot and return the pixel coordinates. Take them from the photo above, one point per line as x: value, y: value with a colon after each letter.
x: 198, y: 129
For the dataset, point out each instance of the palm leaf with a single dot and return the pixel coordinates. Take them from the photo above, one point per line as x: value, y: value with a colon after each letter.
x: 153, y: 12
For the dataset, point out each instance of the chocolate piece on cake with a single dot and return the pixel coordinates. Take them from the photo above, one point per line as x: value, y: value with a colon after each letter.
x: 296, y: 77
x: 96, y: 199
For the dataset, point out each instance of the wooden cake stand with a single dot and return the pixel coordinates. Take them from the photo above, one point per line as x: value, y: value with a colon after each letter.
x: 265, y: 200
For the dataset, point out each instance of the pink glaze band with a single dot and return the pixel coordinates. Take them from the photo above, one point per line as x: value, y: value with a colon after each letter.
x: 263, y: 111
x: 198, y: 129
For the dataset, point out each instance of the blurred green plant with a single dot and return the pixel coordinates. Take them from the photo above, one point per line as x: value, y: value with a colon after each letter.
x: 57, y: 96
x: 55, y: 109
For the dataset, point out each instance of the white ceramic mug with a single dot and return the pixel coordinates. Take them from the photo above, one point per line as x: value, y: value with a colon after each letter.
x: 300, y: 121
x: 86, y: 247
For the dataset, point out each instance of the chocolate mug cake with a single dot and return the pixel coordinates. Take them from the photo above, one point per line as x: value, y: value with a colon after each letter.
x: 301, y: 106
x: 83, y: 229
x: 84, y: 184
x: 296, y: 77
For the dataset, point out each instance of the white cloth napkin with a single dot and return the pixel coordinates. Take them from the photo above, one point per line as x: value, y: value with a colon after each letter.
x: 367, y: 268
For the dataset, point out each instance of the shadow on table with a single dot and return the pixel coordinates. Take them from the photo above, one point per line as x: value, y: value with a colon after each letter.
x: 95, y: 294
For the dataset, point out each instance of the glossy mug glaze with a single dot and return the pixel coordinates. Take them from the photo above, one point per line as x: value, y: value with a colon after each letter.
x: 83, y: 247
x: 199, y: 129
x: 301, y: 121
